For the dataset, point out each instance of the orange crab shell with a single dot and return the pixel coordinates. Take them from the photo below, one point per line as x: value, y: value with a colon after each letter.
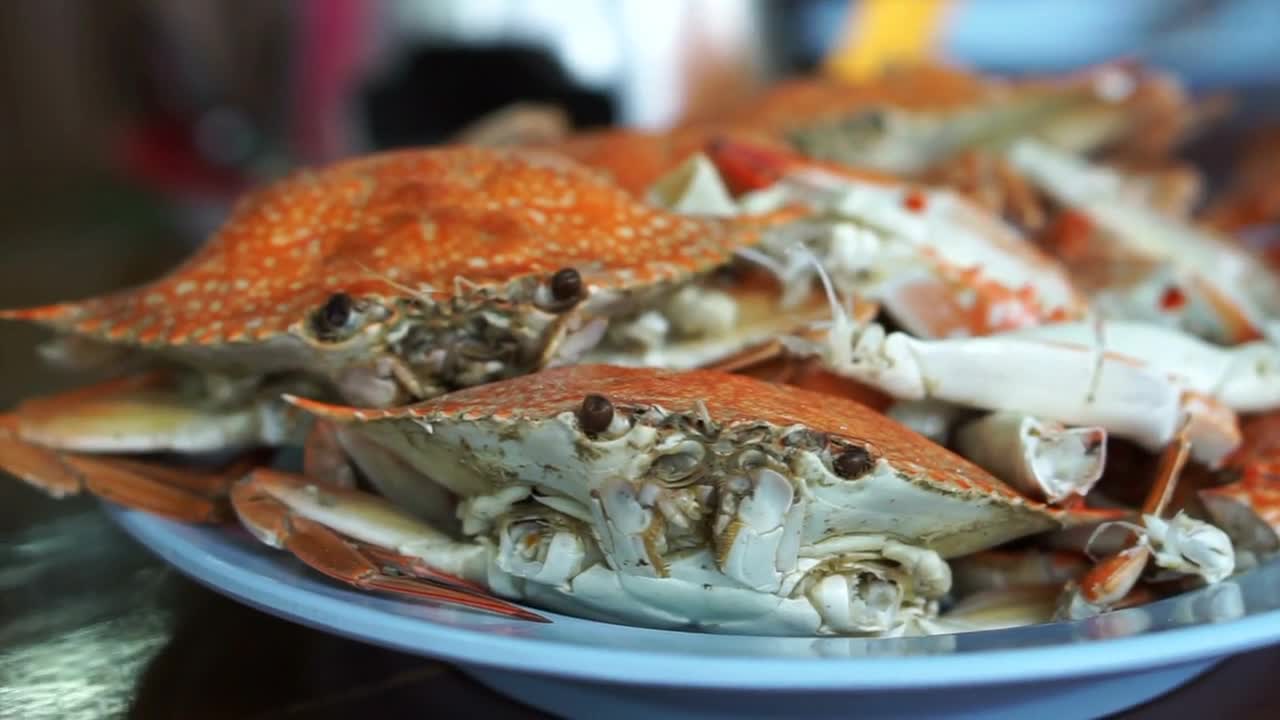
x: 729, y: 398
x: 1157, y: 110
x: 637, y: 159
x: 923, y: 87
x: 422, y: 219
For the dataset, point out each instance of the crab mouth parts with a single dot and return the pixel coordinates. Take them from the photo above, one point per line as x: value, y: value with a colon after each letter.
x: 473, y: 342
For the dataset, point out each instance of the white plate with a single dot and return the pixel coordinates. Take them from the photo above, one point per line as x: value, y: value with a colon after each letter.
x: 580, y: 668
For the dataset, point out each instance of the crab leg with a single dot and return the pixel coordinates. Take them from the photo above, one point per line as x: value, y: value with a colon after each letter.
x: 324, y: 458
x: 151, y: 413
x: 1043, y: 459
x: 52, y: 443
x: 1182, y: 545
x: 290, y: 513
x: 941, y: 264
x: 1006, y: 607
x: 1237, y: 291
x: 185, y: 495
x: 409, y: 565
x: 1245, y: 378
x: 1069, y: 383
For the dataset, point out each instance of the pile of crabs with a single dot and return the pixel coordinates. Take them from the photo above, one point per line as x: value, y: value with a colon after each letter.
x: 927, y: 353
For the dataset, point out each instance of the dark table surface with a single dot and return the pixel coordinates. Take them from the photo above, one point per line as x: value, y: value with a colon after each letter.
x: 93, y: 626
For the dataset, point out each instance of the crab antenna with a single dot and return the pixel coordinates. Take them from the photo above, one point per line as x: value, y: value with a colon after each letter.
x: 759, y: 258
x: 421, y: 293
x: 840, y: 335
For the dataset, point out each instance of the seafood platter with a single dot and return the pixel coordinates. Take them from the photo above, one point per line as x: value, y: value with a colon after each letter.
x: 859, y: 392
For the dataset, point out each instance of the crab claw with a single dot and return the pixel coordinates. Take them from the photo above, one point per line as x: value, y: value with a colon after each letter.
x: 1071, y: 383
x: 288, y: 512
x: 149, y: 412
x: 1182, y: 545
x: 185, y: 495
x: 1044, y: 459
x: 47, y: 443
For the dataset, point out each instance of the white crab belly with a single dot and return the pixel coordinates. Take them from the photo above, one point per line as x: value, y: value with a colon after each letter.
x: 694, y: 597
x: 697, y: 597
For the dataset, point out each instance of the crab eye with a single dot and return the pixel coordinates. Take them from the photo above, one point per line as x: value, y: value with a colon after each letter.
x: 566, y: 285
x: 338, y: 310
x: 596, y: 414
x: 334, y: 316
x: 853, y: 462
x: 875, y: 121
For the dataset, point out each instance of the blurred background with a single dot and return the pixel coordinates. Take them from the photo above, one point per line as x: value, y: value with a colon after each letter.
x: 129, y: 126
x: 187, y: 102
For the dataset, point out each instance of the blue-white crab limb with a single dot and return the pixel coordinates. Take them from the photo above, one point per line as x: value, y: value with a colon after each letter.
x: 1245, y: 378
x: 1068, y: 383
x: 1231, y: 284
x: 898, y: 245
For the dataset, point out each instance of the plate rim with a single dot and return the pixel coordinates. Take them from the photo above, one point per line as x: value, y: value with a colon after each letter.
x: 466, y: 646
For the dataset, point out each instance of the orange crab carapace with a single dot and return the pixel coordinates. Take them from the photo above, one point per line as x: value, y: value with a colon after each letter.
x: 398, y: 277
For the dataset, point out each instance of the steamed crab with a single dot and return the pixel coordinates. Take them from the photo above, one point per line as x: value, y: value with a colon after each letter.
x: 927, y: 123
x: 911, y: 118
x: 660, y: 498
x: 1033, y: 356
x: 383, y: 280
x: 475, y: 274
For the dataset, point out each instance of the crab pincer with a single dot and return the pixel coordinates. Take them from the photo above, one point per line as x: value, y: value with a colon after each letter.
x: 85, y: 440
x: 1074, y: 373
x: 1182, y: 545
x: 271, y: 505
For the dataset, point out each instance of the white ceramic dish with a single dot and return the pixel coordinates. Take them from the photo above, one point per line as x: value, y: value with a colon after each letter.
x: 579, y: 668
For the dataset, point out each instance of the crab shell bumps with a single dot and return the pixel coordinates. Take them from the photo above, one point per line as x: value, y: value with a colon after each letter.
x: 696, y: 500
x: 382, y: 280
x: 405, y: 274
